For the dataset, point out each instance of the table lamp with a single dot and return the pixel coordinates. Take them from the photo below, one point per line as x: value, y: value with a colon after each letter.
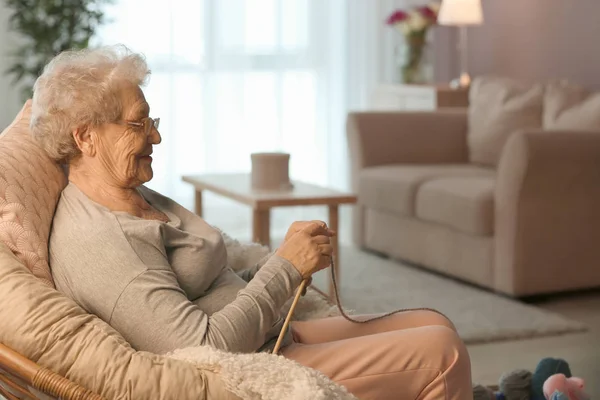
x: 461, y: 13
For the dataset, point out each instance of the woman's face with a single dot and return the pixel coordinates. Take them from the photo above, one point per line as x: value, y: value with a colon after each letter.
x: 124, y: 150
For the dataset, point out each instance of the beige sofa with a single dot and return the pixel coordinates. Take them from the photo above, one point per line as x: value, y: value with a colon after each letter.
x: 505, y: 194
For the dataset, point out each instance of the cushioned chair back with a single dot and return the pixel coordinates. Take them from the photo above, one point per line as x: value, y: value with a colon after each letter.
x: 30, y: 186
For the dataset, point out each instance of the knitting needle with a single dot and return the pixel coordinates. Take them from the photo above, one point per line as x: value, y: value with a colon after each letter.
x: 289, y: 316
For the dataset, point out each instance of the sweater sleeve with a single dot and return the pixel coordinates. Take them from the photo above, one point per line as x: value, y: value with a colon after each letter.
x: 248, y: 273
x: 154, y: 314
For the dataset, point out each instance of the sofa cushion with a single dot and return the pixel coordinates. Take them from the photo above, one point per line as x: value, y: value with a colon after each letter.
x: 30, y: 186
x: 435, y: 246
x: 463, y: 203
x: 498, y: 108
x: 569, y: 106
x: 393, y: 188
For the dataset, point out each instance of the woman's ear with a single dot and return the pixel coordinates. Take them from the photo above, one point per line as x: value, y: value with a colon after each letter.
x: 85, y: 141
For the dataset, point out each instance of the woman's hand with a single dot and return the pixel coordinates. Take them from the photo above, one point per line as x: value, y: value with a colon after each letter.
x: 299, y: 225
x: 309, y: 249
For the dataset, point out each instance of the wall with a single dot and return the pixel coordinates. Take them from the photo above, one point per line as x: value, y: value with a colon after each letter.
x: 10, y: 103
x: 532, y: 40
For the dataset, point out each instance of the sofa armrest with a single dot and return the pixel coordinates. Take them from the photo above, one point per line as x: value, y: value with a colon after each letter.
x: 380, y: 138
x: 547, y: 212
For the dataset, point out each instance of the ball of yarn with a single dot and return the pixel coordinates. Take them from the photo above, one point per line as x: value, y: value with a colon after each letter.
x: 545, y: 369
x: 481, y: 392
x: 516, y: 385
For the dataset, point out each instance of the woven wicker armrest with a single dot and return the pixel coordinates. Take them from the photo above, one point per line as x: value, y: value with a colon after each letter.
x: 19, y: 375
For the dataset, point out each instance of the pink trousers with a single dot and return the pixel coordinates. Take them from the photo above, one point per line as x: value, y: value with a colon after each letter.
x: 414, y: 355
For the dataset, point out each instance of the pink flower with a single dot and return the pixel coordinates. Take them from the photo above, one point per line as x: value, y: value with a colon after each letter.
x: 397, y: 16
x: 428, y: 13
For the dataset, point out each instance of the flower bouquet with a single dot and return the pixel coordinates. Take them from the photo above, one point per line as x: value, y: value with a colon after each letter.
x: 414, y: 25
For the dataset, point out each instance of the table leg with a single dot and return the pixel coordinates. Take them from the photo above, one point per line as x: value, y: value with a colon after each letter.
x: 334, y: 225
x: 198, y: 202
x: 261, y: 232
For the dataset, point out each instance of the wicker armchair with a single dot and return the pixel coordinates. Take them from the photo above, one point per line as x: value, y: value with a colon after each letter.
x: 39, y: 327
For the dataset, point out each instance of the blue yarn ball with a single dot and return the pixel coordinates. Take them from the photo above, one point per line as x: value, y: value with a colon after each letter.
x: 545, y: 369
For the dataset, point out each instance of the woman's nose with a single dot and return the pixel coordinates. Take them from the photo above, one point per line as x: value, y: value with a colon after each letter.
x: 154, y: 137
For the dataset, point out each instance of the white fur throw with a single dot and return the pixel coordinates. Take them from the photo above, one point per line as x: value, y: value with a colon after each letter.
x: 264, y: 376
x: 261, y: 375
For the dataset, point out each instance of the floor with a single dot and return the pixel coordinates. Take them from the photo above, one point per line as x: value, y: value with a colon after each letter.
x: 581, y: 351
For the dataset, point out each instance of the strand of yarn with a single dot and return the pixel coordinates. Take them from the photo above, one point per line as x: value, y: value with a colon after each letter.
x: 479, y: 392
x: 364, y: 321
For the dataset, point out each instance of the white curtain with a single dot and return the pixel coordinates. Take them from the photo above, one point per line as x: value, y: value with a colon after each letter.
x: 232, y: 77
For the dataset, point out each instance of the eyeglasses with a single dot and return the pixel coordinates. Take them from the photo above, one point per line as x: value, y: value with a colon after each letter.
x: 144, y: 124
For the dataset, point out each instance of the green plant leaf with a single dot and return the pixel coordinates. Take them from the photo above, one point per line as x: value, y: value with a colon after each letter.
x: 49, y: 27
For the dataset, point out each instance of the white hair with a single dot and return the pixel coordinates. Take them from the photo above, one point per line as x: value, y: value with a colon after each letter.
x: 80, y: 88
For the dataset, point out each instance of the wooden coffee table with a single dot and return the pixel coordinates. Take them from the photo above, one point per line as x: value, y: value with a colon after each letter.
x: 238, y: 187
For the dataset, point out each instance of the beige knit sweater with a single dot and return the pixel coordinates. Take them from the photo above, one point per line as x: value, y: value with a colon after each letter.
x: 165, y: 286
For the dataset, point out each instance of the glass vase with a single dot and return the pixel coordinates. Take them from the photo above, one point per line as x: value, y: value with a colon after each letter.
x: 412, y: 61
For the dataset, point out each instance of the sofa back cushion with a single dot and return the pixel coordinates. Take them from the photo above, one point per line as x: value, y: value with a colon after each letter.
x: 30, y: 186
x: 498, y: 108
x: 570, y: 106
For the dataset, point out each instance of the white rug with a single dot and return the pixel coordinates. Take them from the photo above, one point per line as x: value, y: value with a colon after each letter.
x: 371, y: 284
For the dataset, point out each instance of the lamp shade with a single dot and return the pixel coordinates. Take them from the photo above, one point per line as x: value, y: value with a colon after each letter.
x: 460, y: 12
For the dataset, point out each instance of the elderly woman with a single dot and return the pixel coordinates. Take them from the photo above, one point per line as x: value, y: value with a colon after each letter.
x: 158, y: 273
